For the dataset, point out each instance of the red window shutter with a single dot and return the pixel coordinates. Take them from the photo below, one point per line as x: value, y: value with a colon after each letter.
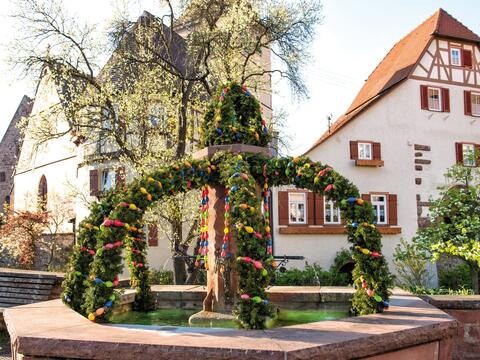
x: 152, y: 235
x: 319, y: 215
x: 445, y: 100
x: 120, y: 176
x: 424, y: 97
x: 392, y: 210
x: 354, y: 150
x: 377, y: 152
x: 467, y: 58
x: 310, y: 208
x: 467, y: 100
x: 459, y: 152
x: 93, y: 182
x: 367, y: 197
x: 283, y: 208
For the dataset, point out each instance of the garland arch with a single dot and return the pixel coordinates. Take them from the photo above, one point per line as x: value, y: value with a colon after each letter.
x: 115, y: 223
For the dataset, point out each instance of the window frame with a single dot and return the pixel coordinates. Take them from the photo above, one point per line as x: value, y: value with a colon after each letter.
x: 3, y: 176
x: 296, y: 202
x: 440, y: 103
x: 474, y: 94
x: 376, y: 203
x: 452, y: 49
x: 464, y: 158
x: 107, y: 171
x: 333, y: 208
x: 365, y: 143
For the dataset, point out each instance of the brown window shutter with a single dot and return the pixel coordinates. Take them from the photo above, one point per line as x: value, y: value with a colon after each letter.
x: 152, y: 235
x: 424, y: 97
x: 354, y: 150
x: 467, y: 58
x: 459, y: 152
x: 467, y: 100
x: 94, y: 182
x: 319, y: 209
x: 445, y: 100
x: 377, y: 152
x: 120, y: 176
x: 392, y: 210
x: 283, y: 208
x: 367, y: 197
x: 310, y: 208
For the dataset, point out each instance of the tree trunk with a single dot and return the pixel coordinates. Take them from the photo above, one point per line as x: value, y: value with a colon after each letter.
x: 179, y: 266
x: 474, y: 276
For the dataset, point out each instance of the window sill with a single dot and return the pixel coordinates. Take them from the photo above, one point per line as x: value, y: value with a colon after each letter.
x: 331, y: 230
x: 372, y: 163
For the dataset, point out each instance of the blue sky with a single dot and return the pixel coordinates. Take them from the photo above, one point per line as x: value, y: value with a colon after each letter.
x: 354, y: 37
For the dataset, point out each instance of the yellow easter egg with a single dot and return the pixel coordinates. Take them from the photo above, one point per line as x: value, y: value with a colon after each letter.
x: 143, y: 190
x: 91, y: 317
x: 366, y: 251
x: 132, y: 207
x: 249, y: 229
x: 267, y: 229
x: 150, y: 179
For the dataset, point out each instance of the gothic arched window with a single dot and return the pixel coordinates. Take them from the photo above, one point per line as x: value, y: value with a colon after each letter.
x: 42, y: 193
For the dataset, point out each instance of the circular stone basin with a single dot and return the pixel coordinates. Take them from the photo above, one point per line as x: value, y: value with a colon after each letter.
x: 168, y: 319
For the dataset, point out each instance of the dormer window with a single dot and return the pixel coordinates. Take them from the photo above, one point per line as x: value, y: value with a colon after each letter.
x: 456, y: 57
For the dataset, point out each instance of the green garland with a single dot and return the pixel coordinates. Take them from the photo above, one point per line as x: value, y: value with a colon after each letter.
x: 116, y: 222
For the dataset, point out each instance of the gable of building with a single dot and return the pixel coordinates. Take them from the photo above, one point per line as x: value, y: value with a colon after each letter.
x: 406, y: 57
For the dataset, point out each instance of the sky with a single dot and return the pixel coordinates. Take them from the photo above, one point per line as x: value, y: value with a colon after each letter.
x: 353, y: 38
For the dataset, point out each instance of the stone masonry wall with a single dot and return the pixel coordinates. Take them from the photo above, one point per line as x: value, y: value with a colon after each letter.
x: 9, y: 148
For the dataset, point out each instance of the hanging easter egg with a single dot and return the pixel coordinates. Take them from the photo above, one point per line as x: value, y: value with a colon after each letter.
x: 377, y: 298
x: 245, y: 297
x: 351, y: 200
x: 91, y: 252
x: 386, y: 304
x: 150, y: 179
x: 370, y: 292
x: 354, y: 225
x: 258, y: 235
x: 316, y: 180
x: 328, y: 188
x: 249, y: 229
x: 100, y: 311
x: 364, y: 284
x: 244, y: 176
x: 91, y: 317
x: 143, y: 190
x: 258, y: 265
x: 265, y: 302
x: 67, y: 298
x: 112, y: 297
x: 365, y: 251
x: 375, y: 254
x: 78, y: 273
x: 267, y: 229
x: 264, y: 272
x: 257, y: 299
x: 108, y: 284
x: 108, y: 223
x: 360, y: 201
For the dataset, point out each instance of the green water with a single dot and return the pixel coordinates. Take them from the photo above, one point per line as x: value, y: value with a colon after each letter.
x: 179, y: 317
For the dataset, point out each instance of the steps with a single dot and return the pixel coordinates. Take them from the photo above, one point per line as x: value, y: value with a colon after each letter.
x: 20, y: 287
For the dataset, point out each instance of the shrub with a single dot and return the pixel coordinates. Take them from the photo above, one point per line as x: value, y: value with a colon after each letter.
x: 439, y: 291
x: 161, y: 277
x: 455, y: 278
x: 313, y: 275
x: 411, y: 266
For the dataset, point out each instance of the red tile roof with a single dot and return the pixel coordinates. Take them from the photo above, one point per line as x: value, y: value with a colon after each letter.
x: 399, y: 63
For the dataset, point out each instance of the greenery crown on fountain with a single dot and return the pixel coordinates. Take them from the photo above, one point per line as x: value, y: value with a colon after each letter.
x: 234, y: 117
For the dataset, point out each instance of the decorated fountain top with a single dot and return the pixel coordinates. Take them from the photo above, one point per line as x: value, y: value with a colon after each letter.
x: 234, y: 117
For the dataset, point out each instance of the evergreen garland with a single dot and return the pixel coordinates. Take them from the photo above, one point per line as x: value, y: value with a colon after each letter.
x: 116, y: 222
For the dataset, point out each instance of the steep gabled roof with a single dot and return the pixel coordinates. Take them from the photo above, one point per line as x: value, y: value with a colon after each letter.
x: 400, y: 62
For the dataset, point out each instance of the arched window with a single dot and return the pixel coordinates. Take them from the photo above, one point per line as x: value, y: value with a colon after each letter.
x: 42, y: 193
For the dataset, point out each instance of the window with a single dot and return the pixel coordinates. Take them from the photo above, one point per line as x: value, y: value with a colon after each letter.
x: 379, y: 203
x: 332, y: 212
x: 297, y: 208
x: 108, y: 180
x: 468, y: 152
x: 2, y: 176
x: 455, y: 55
x: 434, y: 99
x: 365, y: 151
x: 475, y: 100
x: 42, y: 193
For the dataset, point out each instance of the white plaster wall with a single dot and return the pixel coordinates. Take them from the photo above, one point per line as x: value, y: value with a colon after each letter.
x: 397, y: 122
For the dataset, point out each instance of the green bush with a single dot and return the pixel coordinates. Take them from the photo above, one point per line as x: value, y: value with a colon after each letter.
x: 420, y: 290
x: 313, y: 275
x: 411, y: 265
x: 455, y: 278
x: 161, y: 277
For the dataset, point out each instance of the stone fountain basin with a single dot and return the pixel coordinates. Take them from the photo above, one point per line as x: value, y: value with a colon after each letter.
x: 410, y: 329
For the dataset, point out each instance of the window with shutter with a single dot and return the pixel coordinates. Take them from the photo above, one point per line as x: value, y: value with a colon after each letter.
x: 319, y: 220
x: 468, y: 155
x: 475, y: 103
x: 332, y: 213
x: 379, y: 203
x: 467, y: 101
x: 94, y: 182
x: 365, y: 151
x: 459, y: 152
x: 377, y: 153
x: 311, y: 208
x: 467, y: 60
x: 434, y: 99
x: 297, y: 208
x: 455, y: 57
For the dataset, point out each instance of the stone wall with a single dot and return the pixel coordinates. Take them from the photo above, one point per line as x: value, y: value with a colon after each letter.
x: 9, y: 148
x: 466, y: 309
